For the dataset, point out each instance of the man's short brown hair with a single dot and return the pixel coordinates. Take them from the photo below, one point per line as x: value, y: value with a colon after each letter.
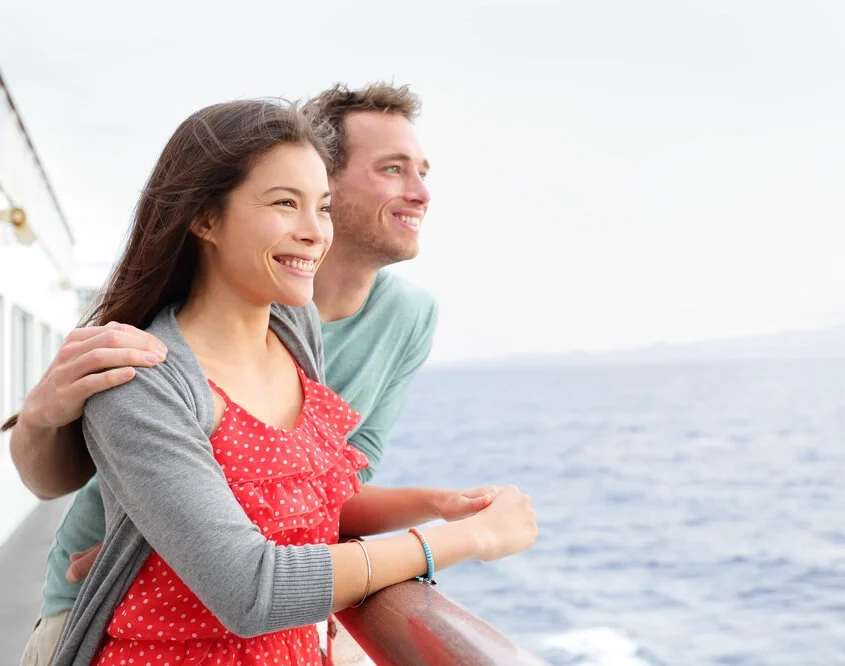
x: 333, y: 105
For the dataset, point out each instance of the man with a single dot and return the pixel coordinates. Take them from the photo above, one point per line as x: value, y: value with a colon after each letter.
x: 377, y: 332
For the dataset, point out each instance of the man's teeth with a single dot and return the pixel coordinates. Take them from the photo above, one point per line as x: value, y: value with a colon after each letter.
x: 300, y: 264
x: 411, y: 221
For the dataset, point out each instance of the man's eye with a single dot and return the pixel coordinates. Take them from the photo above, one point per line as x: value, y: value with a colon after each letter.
x: 423, y: 175
x: 393, y: 168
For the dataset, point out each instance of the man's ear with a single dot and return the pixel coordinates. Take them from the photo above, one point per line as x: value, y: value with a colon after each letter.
x: 202, y: 227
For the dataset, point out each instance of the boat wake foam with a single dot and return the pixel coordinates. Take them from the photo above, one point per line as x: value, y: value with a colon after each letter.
x: 596, y: 646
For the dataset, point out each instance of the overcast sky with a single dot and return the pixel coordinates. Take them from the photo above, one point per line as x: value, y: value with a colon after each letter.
x: 605, y: 174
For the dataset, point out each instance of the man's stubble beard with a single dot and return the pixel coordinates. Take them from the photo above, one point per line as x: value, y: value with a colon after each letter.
x: 359, y: 232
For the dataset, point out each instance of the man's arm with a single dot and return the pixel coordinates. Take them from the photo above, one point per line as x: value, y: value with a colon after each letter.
x: 377, y: 510
x: 373, y: 433
x: 51, y: 461
x: 46, y: 443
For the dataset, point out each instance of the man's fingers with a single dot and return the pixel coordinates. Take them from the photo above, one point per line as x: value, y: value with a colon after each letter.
x: 81, y: 564
x: 84, y: 332
x: 480, y: 490
x: 105, y: 358
x: 108, y: 349
x: 147, y: 340
x: 93, y: 549
x: 480, y: 502
x: 79, y: 569
x: 87, y: 332
x: 75, y: 556
x: 84, y: 388
x: 117, y: 336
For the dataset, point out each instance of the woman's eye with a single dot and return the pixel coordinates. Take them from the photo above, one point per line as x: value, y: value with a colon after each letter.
x: 326, y: 209
x: 285, y: 202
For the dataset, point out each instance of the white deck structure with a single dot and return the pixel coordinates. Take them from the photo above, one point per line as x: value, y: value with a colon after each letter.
x: 37, y: 301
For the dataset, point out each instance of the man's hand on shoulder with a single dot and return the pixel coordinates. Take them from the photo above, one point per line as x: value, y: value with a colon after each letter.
x: 91, y: 360
x: 46, y: 444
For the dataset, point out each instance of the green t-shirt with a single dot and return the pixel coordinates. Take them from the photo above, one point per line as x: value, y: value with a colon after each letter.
x: 370, y: 359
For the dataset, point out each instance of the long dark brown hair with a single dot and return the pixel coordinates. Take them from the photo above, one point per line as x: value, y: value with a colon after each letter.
x: 208, y: 156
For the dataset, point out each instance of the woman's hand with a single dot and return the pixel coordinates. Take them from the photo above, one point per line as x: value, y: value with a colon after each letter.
x: 506, y: 527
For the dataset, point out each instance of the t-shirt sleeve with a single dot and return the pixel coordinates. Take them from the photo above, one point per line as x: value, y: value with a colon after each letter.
x: 373, y: 434
x: 155, y: 459
x: 82, y: 526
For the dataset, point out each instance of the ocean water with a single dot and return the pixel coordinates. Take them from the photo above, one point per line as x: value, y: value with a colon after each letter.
x: 689, y: 515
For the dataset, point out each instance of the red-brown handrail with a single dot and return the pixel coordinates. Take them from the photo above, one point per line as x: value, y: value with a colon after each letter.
x: 412, y: 624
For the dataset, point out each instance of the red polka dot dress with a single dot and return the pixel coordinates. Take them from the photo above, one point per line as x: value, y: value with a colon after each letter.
x: 291, y: 484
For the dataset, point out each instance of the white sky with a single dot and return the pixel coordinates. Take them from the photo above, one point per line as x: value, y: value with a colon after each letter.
x: 605, y: 174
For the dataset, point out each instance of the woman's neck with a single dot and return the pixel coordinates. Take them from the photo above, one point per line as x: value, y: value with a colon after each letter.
x: 222, y: 326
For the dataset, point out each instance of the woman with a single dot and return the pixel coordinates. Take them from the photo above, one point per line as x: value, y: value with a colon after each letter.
x: 224, y: 471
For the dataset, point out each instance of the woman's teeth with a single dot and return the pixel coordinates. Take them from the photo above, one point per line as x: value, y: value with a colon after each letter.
x: 300, y: 264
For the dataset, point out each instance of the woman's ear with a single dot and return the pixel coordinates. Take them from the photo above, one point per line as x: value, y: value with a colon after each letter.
x: 203, y: 228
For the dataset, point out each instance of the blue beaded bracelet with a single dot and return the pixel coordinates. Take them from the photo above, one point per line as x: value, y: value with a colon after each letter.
x: 429, y: 576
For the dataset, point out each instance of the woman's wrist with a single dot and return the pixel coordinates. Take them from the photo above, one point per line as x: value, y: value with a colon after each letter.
x: 471, y: 534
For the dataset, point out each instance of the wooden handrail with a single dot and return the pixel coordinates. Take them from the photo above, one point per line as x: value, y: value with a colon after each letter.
x: 412, y: 624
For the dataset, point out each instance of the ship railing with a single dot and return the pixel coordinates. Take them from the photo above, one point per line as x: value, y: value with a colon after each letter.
x: 413, y: 624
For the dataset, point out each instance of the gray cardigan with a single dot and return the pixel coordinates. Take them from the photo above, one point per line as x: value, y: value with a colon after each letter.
x: 163, y: 490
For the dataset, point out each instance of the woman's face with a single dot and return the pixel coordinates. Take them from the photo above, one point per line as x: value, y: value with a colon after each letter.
x: 275, y: 230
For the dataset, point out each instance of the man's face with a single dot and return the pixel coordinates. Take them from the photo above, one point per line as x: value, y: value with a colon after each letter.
x: 379, y: 198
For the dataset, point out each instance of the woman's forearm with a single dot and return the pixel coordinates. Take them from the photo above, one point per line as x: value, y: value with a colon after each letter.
x: 398, y: 558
